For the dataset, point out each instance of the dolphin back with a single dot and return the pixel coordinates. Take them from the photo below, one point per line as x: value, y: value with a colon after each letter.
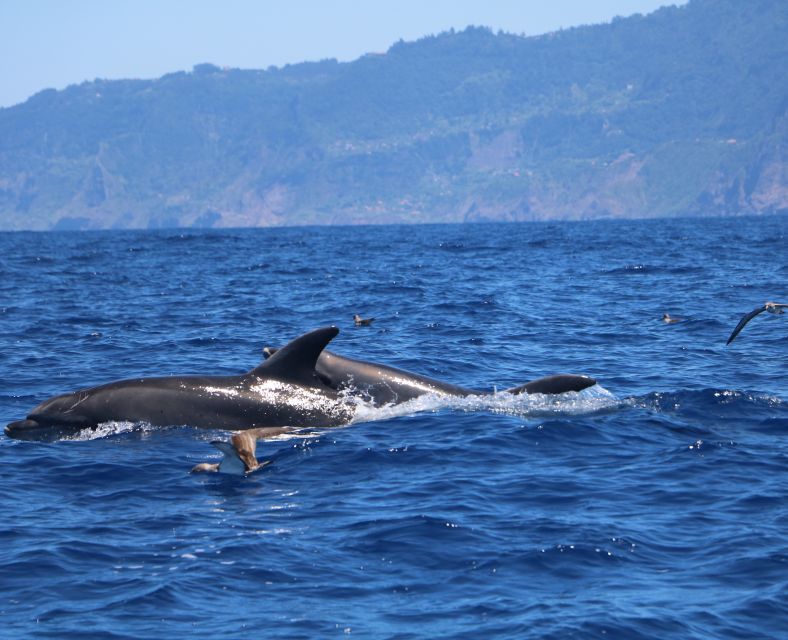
x: 560, y: 383
x: 386, y: 384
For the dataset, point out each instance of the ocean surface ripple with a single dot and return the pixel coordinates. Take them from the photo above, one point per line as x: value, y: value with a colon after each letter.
x: 651, y: 506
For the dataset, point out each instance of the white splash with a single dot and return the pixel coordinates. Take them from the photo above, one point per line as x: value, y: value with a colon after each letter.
x: 590, y: 400
x: 572, y: 403
x: 113, y: 428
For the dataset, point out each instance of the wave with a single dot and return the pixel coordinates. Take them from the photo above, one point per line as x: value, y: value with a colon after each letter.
x: 702, y: 406
x: 720, y: 402
x: 588, y: 401
x: 642, y: 269
x: 107, y: 429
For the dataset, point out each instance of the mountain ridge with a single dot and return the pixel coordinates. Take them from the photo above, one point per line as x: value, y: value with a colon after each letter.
x: 680, y: 112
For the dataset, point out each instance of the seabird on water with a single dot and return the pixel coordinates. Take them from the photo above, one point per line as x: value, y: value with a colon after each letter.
x: 771, y: 307
x: 666, y: 317
x: 269, y: 351
x: 362, y: 322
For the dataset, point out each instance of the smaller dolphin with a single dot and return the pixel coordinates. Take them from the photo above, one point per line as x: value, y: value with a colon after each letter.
x: 382, y: 384
x: 362, y: 322
x: 771, y: 307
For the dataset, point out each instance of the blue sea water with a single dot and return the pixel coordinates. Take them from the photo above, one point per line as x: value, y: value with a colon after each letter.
x: 652, y: 506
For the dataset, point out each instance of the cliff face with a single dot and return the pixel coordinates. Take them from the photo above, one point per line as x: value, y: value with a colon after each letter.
x: 679, y: 112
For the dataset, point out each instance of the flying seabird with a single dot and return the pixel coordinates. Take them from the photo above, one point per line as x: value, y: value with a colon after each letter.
x: 771, y: 307
x: 239, y: 453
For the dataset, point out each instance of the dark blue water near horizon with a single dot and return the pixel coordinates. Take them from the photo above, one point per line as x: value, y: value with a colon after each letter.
x: 652, y: 506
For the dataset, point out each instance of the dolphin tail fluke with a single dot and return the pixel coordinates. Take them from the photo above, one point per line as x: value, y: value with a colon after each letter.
x: 560, y: 383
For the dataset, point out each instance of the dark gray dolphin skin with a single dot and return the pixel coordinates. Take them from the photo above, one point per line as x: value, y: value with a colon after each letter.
x: 283, y: 391
x: 300, y: 385
x: 382, y: 384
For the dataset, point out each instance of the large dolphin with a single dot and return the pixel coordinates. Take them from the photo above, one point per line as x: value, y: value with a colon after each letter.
x: 298, y: 386
x: 282, y: 391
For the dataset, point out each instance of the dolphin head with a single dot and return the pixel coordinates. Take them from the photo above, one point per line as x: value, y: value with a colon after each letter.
x: 52, y: 419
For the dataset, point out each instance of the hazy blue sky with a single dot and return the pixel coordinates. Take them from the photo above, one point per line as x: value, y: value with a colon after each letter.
x: 54, y: 43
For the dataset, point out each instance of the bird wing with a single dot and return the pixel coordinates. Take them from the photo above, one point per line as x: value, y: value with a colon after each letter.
x: 745, y: 319
x: 245, y: 445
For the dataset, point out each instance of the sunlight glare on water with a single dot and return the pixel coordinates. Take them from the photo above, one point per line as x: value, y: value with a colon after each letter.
x: 651, y: 505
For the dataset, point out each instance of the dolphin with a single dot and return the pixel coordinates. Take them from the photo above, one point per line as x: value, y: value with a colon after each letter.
x: 299, y: 386
x: 382, y: 384
x: 283, y: 391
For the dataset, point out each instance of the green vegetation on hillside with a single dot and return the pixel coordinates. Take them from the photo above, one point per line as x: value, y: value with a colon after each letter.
x: 682, y: 111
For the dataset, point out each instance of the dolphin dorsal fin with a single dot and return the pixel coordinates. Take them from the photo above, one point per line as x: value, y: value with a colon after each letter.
x: 297, y: 359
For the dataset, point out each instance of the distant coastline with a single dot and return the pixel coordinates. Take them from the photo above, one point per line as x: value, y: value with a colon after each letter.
x: 296, y: 228
x: 680, y: 112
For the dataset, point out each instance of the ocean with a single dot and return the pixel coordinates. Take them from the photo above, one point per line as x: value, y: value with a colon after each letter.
x: 652, y: 505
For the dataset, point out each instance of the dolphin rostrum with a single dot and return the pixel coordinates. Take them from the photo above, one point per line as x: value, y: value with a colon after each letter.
x: 299, y: 386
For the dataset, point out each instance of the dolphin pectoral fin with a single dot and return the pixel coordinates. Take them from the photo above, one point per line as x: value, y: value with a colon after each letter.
x: 560, y: 383
x: 297, y: 359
